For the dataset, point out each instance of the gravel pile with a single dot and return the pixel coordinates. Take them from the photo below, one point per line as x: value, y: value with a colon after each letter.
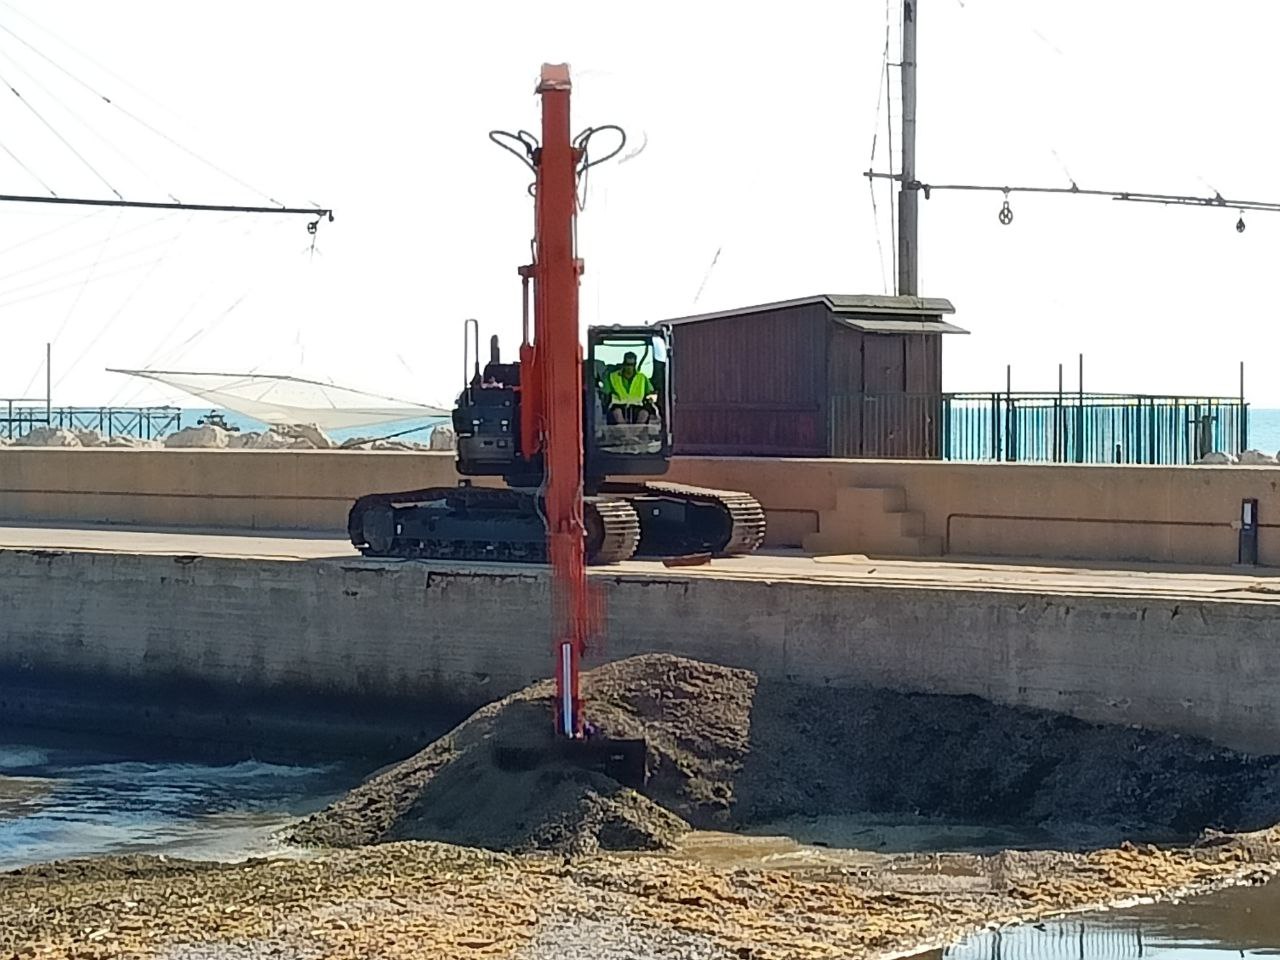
x: 727, y: 751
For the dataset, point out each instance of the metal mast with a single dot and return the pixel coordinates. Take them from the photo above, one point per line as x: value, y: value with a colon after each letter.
x: 908, y: 189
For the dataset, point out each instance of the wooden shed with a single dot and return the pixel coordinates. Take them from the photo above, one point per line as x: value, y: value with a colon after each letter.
x: 822, y: 376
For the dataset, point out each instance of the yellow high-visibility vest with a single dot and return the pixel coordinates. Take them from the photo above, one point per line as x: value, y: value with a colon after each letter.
x: 629, y: 394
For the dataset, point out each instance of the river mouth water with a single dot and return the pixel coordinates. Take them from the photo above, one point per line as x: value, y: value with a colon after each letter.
x: 1243, y: 921
x: 60, y: 801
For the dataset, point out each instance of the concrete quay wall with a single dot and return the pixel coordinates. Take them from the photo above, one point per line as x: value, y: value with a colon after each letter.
x: 246, y: 489
x: 1030, y: 510
x: 1157, y: 514
x: 360, y: 656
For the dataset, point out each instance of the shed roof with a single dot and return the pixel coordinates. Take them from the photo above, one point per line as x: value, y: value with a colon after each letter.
x: 897, y: 325
x: 869, y: 313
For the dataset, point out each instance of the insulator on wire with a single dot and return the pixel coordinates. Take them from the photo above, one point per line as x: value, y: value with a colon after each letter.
x: 1240, y: 224
x: 1006, y: 214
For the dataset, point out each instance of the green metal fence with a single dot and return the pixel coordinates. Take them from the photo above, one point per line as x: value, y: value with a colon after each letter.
x: 1038, y: 427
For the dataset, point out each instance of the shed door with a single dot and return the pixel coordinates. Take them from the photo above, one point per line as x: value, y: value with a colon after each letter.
x: 889, y: 424
x: 884, y: 363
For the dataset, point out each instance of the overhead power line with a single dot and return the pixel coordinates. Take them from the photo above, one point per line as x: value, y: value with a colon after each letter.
x: 320, y: 212
x: 1133, y: 196
x: 94, y: 91
x: 119, y: 201
x: 63, y: 140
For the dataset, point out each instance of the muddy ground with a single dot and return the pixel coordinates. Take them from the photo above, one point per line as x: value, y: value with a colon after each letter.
x: 427, y: 900
x: 727, y: 751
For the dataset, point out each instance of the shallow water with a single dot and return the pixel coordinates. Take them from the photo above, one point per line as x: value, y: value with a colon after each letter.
x: 1240, y: 922
x: 58, y: 802
x: 915, y: 834
x: 62, y: 801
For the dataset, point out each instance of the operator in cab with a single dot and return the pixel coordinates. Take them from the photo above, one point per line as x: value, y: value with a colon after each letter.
x: 632, y: 398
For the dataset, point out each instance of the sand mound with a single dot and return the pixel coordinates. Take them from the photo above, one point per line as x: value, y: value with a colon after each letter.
x: 693, y: 716
x: 727, y: 751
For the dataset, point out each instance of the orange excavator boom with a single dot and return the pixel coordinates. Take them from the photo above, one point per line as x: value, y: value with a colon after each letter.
x: 554, y: 360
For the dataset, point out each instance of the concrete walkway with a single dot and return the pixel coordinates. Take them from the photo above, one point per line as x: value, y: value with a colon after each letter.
x: 1258, y: 584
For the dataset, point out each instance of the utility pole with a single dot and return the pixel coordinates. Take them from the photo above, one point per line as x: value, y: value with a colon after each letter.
x: 48, y: 384
x: 908, y: 189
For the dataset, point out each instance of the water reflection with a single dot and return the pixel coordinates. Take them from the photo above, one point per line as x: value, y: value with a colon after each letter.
x: 1240, y: 922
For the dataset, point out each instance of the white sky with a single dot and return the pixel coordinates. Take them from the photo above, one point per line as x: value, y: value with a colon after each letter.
x: 757, y: 120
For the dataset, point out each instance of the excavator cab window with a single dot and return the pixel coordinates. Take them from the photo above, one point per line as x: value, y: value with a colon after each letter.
x: 632, y: 423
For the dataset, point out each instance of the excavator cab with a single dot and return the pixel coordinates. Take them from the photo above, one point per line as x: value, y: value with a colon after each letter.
x: 635, y: 439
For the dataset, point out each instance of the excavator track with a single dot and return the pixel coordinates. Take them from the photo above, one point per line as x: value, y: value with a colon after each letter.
x: 613, y: 530
x: 681, y: 520
x: 481, y: 524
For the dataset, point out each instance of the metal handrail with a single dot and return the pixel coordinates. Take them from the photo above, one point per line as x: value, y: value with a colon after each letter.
x: 19, y: 416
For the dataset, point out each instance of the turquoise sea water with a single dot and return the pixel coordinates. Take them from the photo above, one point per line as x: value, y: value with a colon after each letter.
x: 418, y: 431
x: 1264, y: 430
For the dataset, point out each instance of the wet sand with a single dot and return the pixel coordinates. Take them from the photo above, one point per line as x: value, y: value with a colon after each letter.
x: 422, y: 899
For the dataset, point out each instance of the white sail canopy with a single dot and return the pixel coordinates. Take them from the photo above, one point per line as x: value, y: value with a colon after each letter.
x: 291, y: 400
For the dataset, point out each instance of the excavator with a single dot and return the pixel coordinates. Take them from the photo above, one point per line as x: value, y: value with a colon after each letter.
x: 547, y: 425
x: 509, y: 416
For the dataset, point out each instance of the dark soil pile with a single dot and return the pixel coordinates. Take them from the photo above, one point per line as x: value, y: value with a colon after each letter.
x: 727, y: 751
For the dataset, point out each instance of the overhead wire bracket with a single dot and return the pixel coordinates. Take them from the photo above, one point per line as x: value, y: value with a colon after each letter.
x: 1130, y: 196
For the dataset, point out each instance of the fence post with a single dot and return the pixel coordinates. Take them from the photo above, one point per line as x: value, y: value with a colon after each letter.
x: 1243, y: 414
x: 996, y: 445
x: 1153, y: 426
x: 946, y: 426
x: 1080, y: 413
x: 1014, y: 448
x: 1059, y: 433
x: 1010, y: 424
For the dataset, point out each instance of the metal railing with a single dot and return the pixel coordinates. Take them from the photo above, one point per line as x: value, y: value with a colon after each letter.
x: 19, y: 417
x: 1037, y: 427
x: 1060, y: 940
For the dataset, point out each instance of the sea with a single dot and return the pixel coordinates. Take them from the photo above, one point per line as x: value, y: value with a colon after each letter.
x: 416, y: 431
x: 1264, y: 430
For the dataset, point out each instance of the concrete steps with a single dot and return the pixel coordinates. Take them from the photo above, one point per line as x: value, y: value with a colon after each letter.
x: 874, y: 521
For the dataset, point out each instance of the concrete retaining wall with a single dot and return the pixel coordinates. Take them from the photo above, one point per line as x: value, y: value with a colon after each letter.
x: 251, y: 652
x: 1049, y: 511
x: 1160, y: 514
x: 247, y: 489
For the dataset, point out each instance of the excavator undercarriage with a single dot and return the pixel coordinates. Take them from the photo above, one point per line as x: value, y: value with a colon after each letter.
x: 622, y: 520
